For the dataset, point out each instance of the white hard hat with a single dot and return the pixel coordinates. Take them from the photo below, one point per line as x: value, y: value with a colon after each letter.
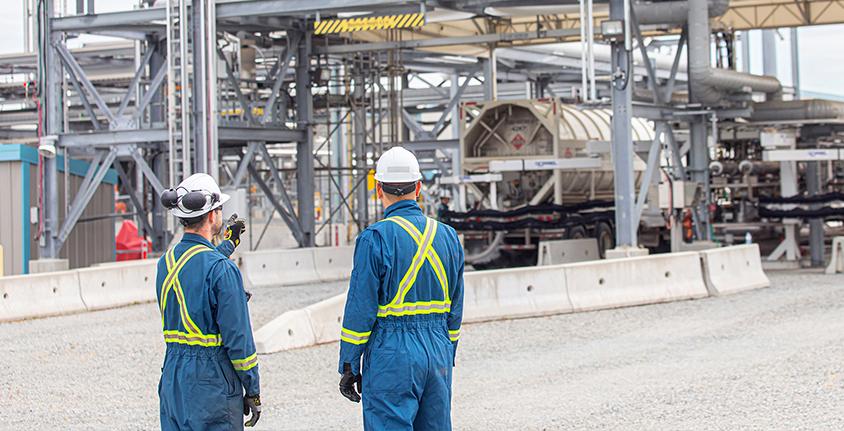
x: 397, y: 165
x: 198, y: 194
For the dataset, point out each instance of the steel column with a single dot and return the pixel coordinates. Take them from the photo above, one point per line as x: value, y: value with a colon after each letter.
x: 305, y: 147
x: 816, y: 225
x: 359, y: 138
x: 622, y: 142
x: 49, y: 247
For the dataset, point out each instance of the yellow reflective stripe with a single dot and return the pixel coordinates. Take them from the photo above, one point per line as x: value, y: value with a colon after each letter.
x: 357, y: 334
x: 193, y: 339
x: 454, y: 335
x: 172, y: 282
x: 354, y: 337
x: 246, y: 363
x: 431, y: 254
x: 173, y: 269
x: 410, y: 275
x: 414, y: 308
x: 419, y: 259
x: 187, y: 322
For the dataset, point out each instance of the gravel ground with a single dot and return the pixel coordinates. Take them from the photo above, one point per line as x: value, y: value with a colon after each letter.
x: 768, y: 359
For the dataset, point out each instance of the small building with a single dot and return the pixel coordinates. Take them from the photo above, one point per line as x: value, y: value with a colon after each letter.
x: 91, y: 240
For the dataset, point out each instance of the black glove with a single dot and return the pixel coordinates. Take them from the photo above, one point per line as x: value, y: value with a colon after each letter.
x: 235, y: 228
x: 252, y: 404
x: 349, y: 382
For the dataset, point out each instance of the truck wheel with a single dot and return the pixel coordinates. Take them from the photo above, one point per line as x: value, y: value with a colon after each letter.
x: 576, y: 232
x: 606, y: 238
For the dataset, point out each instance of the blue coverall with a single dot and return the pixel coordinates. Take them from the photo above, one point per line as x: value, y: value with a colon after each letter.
x: 210, y: 358
x: 403, y: 315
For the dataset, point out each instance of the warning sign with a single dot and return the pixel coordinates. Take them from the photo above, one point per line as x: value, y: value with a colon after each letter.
x: 518, y: 141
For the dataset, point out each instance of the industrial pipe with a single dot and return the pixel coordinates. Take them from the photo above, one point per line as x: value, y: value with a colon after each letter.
x: 707, y: 84
x: 795, y: 110
x: 673, y: 12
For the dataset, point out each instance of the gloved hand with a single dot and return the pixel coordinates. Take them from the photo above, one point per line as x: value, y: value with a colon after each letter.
x: 349, y: 383
x: 234, y: 228
x: 252, y: 404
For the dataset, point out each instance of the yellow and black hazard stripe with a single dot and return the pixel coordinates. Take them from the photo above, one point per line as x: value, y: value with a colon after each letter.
x: 347, y: 25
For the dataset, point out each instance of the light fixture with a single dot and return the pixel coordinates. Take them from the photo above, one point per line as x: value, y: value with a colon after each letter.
x: 47, y: 146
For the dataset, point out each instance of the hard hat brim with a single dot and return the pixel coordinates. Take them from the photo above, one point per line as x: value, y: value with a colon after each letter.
x: 397, y: 177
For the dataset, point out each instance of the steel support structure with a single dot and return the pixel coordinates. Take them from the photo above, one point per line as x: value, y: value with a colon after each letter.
x: 622, y: 141
x: 49, y: 245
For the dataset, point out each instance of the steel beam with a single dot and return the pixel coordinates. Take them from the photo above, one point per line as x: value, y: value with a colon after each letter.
x: 114, y: 137
x: 284, y: 62
x: 446, y: 41
x: 80, y: 202
x: 76, y: 69
x: 271, y: 135
x: 148, y: 172
x: 135, y: 80
x: 137, y: 200
x: 288, y: 218
x: 151, y: 92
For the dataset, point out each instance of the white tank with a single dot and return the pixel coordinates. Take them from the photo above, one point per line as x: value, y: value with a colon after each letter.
x: 544, y: 129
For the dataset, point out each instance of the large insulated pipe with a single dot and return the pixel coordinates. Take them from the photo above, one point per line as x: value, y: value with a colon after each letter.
x: 794, y: 110
x: 707, y: 84
x: 673, y: 12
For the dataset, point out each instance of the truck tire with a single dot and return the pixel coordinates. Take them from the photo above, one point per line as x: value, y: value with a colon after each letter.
x: 576, y: 232
x: 606, y: 238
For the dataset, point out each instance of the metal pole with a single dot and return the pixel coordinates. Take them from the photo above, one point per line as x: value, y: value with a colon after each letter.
x: 359, y: 131
x: 816, y: 231
x: 795, y: 63
x: 622, y: 143
x: 198, y: 88
x: 48, y: 248
x: 305, y: 148
x: 490, y: 76
x: 769, y: 52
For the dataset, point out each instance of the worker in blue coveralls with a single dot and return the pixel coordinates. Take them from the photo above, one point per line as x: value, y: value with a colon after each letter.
x: 403, y: 310
x: 209, y: 380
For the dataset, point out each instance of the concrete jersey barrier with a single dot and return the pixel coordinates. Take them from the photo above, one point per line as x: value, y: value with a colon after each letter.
x: 514, y: 293
x: 333, y: 263
x: 284, y: 267
x: 567, y: 251
x: 733, y: 269
x: 39, y: 295
x: 117, y: 285
x: 634, y: 281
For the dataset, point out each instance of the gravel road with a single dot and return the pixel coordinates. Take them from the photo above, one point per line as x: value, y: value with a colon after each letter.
x: 769, y: 359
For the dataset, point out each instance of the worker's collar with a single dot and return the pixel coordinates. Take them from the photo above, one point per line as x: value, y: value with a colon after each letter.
x: 402, y: 207
x: 199, y: 239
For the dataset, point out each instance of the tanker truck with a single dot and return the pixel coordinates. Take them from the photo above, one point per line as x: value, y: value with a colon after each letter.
x: 536, y: 170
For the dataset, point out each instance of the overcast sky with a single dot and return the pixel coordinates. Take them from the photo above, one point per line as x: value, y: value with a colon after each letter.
x: 821, y: 58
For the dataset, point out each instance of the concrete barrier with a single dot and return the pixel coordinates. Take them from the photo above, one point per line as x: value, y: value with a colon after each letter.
x: 40, y: 295
x: 634, y: 281
x: 567, y: 251
x: 733, y: 269
x: 291, y: 330
x: 514, y: 293
x: 109, y: 286
x: 278, y: 267
x: 333, y: 263
x: 836, y: 261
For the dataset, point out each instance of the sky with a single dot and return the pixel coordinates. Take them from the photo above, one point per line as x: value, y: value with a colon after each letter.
x: 821, y: 68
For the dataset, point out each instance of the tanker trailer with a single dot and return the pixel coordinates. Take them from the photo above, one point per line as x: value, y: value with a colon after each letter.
x: 535, y: 170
